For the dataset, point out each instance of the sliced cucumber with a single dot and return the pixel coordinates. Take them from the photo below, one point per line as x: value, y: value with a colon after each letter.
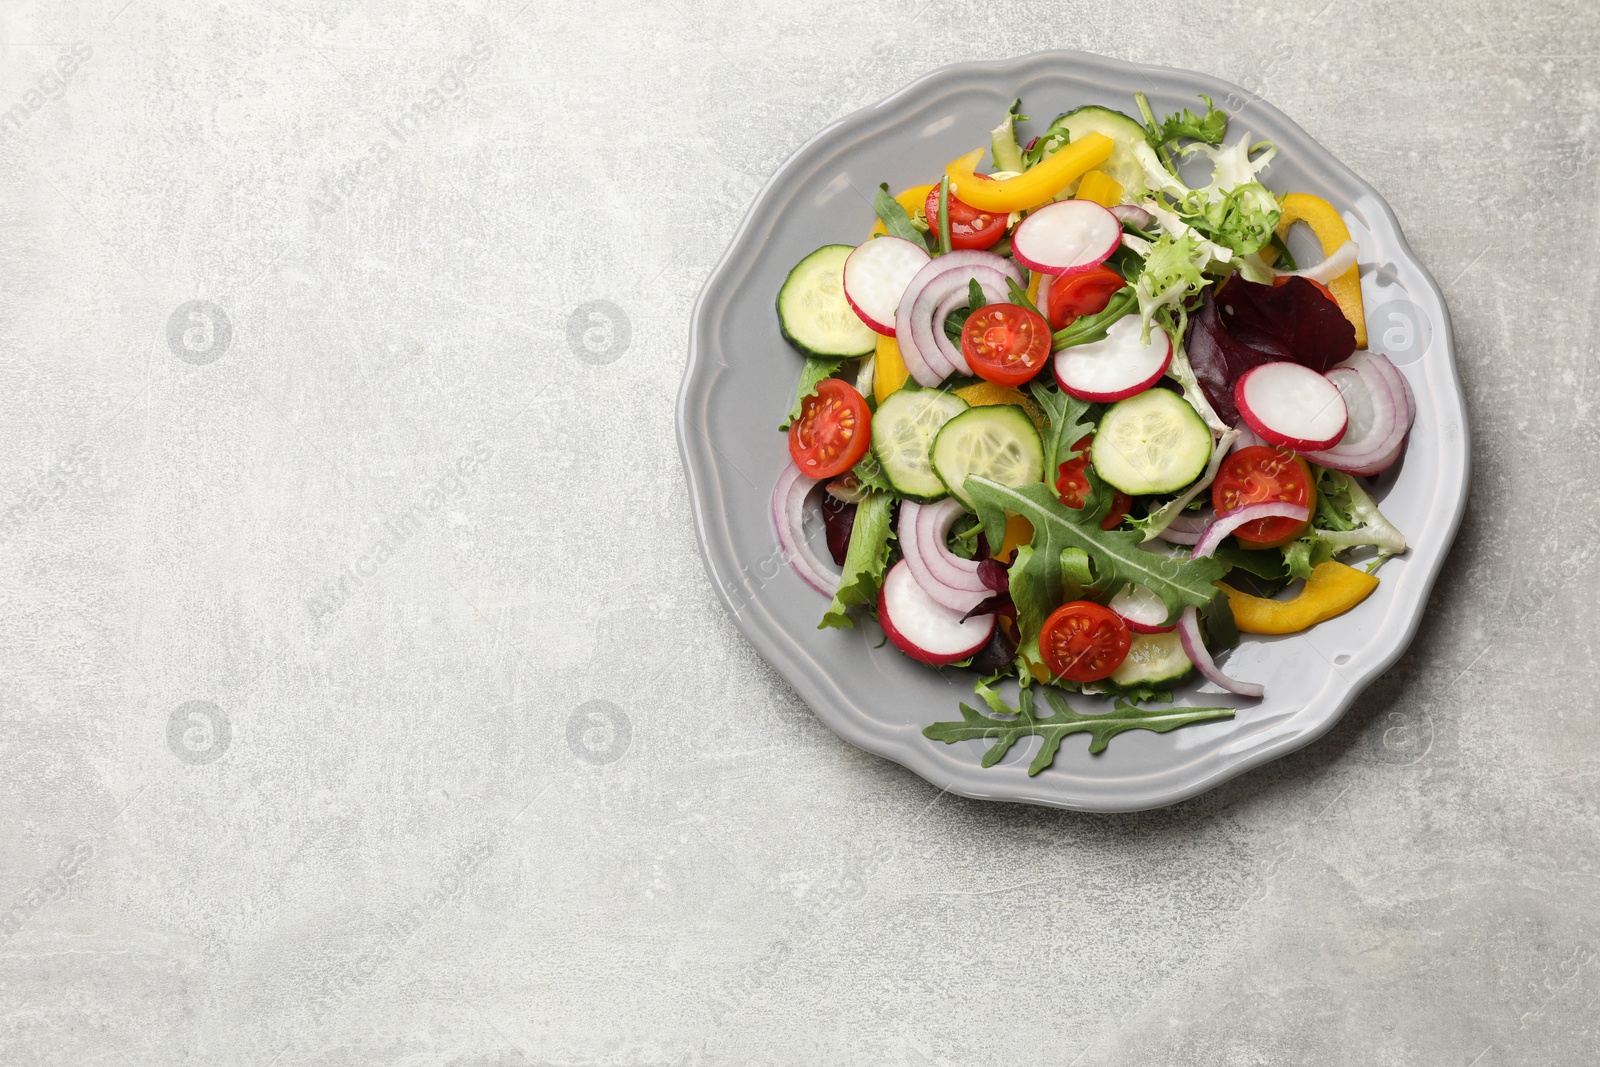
x: 903, y: 431
x: 1126, y: 132
x: 997, y: 442
x: 813, y: 312
x: 1151, y: 443
x: 1155, y: 660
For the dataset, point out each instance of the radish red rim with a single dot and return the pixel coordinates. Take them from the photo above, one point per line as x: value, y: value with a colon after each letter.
x: 874, y: 697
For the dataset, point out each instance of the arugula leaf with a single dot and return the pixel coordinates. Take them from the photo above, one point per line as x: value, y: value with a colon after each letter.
x: 811, y: 375
x: 1115, y: 555
x: 864, y: 561
x: 1067, y: 425
x: 1087, y: 329
x: 954, y: 321
x: 895, y: 220
x: 1210, y: 127
x: 1101, y: 728
x: 1019, y: 296
x: 1221, y: 630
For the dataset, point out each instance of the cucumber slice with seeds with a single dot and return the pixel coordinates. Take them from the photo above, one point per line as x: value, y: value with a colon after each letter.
x: 997, y: 442
x: 1155, y: 660
x: 903, y: 432
x: 813, y: 312
x: 1151, y: 443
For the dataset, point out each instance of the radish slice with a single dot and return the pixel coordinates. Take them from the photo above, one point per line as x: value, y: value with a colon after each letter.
x: 876, y: 275
x: 1246, y: 438
x: 1066, y: 237
x: 1290, y: 405
x: 1141, y: 609
x: 788, y: 518
x: 948, y: 579
x: 923, y: 628
x: 1226, y: 524
x: 1117, y: 366
x: 1194, y: 646
x: 925, y: 362
x: 1377, y: 397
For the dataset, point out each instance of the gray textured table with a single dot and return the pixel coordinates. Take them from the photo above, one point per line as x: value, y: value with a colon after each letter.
x: 365, y: 701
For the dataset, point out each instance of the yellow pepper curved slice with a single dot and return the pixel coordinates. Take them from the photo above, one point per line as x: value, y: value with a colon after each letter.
x: 1331, y: 232
x: 911, y: 199
x: 1033, y: 186
x: 988, y: 394
x: 889, y: 371
x: 1099, y: 187
x: 1332, y: 589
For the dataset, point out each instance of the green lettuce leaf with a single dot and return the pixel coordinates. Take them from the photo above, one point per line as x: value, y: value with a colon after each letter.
x: 811, y: 375
x: 1101, y: 727
x: 864, y: 561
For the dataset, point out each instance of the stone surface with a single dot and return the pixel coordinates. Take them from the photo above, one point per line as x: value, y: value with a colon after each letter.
x: 364, y: 698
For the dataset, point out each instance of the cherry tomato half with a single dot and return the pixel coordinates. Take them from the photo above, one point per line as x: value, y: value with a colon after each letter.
x: 1005, y: 343
x: 969, y: 227
x: 832, y: 432
x: 1083, y: 293
x: 1072, y: 486
x: 1259, y: 474
x: 1084, y: 642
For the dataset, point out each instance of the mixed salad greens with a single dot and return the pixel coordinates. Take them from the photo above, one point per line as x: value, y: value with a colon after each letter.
x: 1080, y: 424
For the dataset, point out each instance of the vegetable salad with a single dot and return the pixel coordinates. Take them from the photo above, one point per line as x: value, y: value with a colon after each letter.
x: 1077, y: 423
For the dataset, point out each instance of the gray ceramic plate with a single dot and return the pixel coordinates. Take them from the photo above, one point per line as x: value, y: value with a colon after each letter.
x: 740, y: 381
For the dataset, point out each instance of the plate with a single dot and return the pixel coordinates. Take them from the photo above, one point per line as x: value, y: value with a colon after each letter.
x: 740, y: 381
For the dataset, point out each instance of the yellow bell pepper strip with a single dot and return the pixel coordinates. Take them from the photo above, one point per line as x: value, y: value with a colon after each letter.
x: 1101, y: 188
x: 1331, y: 232
x: 1019, y: 532
x: 988, y: 394
x: 1332, y: 589
x: 912, y: 199
x: 1033, y: 186
x: 1034, y: 277
x: 889, y: 371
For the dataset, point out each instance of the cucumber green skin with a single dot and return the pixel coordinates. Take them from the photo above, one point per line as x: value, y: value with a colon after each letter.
x: 1178, y: 476
x: 906, y: 480
x: 795, y: 277
x: 1171, y: 666
x: 1015, y: 419
x: 1120, y: 128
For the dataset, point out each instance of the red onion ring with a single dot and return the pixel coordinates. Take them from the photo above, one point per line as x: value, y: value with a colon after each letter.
x: 925, y: 362
x: 1389, y: 395
x: 1226, y: 524
x: 1194, y: 646
x: 1133, y: 215
x: 1188, y: 527
x: 788, y: 519
x: 947, y: 578
x: 993, y: 284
